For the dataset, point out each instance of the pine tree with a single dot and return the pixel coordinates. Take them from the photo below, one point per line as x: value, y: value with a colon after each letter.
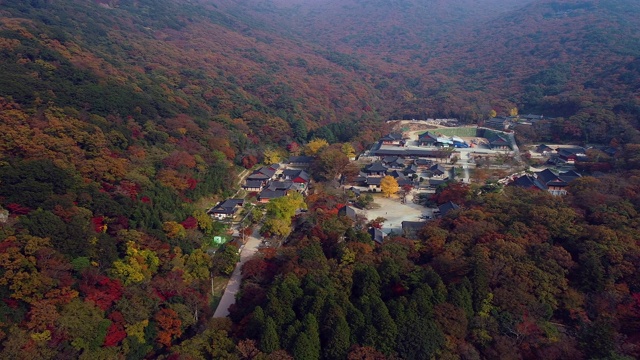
x: 269, y: 342
x: 303, y: 348
x: 312, y: 339
x: 480, y: 277
x: 256, y: 324
x: 461, y: 296
x: 335, y: 334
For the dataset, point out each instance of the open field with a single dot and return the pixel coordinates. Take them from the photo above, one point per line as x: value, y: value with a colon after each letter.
x: 457, y: 131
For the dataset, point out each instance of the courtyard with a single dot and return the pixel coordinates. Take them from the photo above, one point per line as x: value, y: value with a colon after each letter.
x: 396, y: 212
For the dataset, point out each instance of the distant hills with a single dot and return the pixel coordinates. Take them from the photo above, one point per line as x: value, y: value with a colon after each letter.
x: 312, y: 63
x: 468, y: 56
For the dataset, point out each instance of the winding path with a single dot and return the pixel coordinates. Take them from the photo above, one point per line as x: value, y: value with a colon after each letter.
x: 233, y: 286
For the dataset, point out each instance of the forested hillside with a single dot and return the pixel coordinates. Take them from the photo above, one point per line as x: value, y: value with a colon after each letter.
x: 153, y: 60
x: 122, y: 121
x: 511, y: 275
x: 463, y: 58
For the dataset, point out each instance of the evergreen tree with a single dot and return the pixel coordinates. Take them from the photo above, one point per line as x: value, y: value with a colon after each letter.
x: 419, y: 338
x: 386, y: 328
x: 303, y: 348
x: 461, y: 296
x: 289, y: 336
x: 480, y: 276
x: 300, y: 131
x: 270, y: 341
x: 311, y: 332
x: 256, y: 324
x: 366, y: 282
x: 422, y: 301
x: 325, y: 133
x: 335, y: 334
x: 356, y: 322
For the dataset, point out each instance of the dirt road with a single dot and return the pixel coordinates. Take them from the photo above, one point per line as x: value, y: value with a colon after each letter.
x: 229, y: 296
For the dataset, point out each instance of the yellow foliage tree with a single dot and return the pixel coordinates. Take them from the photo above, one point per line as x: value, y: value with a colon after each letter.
x: 197, y: 266
x: 493, y: 113
x: 21, y: 273
x: 137, y: 266
x: 137, y: 330
x: 205, y: 223
x: 272, y: 156
x: 389, y: 185
x: 348, y: 150
x: 174, y: 230
x: 513, y: 111
x: 276, y: 226
x: 285, y: 207
x: 314, y: 146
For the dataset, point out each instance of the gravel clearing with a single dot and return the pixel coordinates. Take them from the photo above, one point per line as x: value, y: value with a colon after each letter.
x: 396, y: 212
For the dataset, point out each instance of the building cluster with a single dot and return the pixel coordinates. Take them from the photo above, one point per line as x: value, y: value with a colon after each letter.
x: 506, y: 122
x: 407, y: 172
x: 562, y: 154
x: 269, y: 182
x: 494, y: 141
x: 435, y: 146
x: 546, y: 180
x: 434, y: 140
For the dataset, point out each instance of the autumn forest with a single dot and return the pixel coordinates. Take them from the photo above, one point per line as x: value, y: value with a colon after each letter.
x: 123, y: 121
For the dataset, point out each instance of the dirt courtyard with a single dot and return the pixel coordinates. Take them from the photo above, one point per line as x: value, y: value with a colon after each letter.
x: 395, y: 212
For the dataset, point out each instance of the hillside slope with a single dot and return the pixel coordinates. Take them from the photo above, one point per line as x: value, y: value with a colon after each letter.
x: 167, y: 59
x: 466, y: 57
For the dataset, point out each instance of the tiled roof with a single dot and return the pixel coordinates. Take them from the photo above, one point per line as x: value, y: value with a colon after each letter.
x: 281, y: 185
x: 411, y: 169
x: 446, y: 207
x: 348, y: 211
x: 402, y: 181
x: 528, y: 182
x: 266, y: 171
x: 438, y: 168
x: 571, y: 151
x: 376, y: 167
x: 271, y: 194
x: 376, y: 235
x: 374, y: 180
x: 300, y: 159
x: 436, y: 182
x: 396, y: 174
x: 427, y: 136
x: 252, y: 184
x: 569, y: 176
x: 497, y: 140
x: 392, y: 137
x: 546, y: 176
x: 294, y: 173
x: 410, y: 152
x: 258, y: 176
x: 227, y: 207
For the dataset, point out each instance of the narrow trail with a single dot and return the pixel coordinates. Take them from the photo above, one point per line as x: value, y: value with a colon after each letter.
x: 243, y: 175
x: 233, y: 286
